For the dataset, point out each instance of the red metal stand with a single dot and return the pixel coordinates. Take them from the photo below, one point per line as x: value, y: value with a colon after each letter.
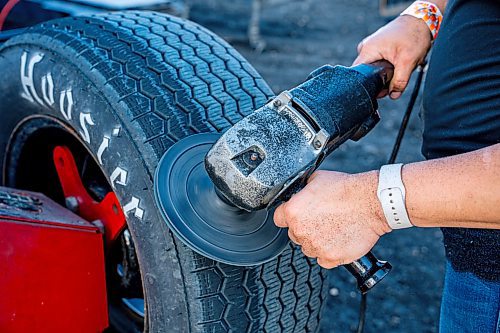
x: 52, y: 272
x: 108, y: 211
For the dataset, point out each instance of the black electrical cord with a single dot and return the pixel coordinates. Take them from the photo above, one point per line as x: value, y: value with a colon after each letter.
x: 392, y: 159
x: 409, y: 109
x: 362, y: 314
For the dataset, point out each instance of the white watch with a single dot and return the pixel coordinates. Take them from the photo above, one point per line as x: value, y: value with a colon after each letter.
x: 391, y: 194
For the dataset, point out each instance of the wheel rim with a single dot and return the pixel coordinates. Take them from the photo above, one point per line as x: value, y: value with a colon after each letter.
x: 43, y: 152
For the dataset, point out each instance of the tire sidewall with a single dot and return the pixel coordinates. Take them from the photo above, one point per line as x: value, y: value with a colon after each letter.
x: 46, y: 79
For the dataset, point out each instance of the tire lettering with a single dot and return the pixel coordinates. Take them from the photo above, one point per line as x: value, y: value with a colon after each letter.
x: 104, y: 145
x: 133, y: 206
x: 120, y: 176
x: 66, y: 103
x: 48, y: 89
x: 66, y: 108
x: 85, y: 119
x: 29, y: 92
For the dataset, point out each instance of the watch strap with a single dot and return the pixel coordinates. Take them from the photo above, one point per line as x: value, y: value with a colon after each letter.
x: 427, y: 12
x: 392, y: 194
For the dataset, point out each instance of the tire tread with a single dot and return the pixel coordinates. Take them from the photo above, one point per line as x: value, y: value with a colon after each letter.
x: 153, y: 62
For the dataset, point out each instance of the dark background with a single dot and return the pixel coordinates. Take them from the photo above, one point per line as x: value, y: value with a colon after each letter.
x: 303, y: 35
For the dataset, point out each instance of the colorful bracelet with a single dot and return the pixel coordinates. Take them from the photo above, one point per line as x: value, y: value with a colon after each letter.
x: 428, y: 12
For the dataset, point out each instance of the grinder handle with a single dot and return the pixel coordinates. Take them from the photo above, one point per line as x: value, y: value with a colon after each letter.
x: 385, y: 70
x: 368, y: 271
x: 377, y: 76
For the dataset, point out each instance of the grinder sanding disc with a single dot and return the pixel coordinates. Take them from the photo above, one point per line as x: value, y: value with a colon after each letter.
x: 201, y: 219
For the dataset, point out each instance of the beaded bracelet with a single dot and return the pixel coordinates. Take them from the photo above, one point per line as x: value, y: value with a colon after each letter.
x: 428, y: 12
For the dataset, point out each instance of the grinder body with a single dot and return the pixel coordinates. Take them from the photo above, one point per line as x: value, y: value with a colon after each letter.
x: 267, y: 157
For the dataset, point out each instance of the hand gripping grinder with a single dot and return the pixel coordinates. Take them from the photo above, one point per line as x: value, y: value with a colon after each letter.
x: 217, y: 193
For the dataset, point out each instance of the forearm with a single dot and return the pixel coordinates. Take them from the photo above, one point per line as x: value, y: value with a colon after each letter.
x: 337, y: 217
x: 458, y: 191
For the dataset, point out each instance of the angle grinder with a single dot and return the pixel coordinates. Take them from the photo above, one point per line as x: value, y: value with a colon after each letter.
x: 217, y: 193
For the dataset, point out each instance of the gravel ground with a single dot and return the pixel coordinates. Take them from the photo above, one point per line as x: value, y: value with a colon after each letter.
x: 303, y: 35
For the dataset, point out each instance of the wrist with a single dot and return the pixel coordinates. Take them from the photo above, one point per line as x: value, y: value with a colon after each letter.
x: 418, y: 26
x: 368, y: 183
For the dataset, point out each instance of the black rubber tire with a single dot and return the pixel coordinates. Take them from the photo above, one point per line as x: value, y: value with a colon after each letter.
x: 158, y: 78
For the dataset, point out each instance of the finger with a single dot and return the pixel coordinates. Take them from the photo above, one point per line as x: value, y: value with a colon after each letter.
x: 292, y: 237
x: 308, y: 251
x: 279, y: 216
x: 328, y: 264
x: 366, y: 57
x: 360, y: 46
x: 360, y: 56
x: 402, y: 73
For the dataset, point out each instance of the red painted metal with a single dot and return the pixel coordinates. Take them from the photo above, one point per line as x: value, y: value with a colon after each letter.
x: 108, y: 211
x: 52, y: 275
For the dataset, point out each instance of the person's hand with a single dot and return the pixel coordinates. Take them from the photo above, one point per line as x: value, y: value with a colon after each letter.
x: 336, y: 218
x: 403, y: 42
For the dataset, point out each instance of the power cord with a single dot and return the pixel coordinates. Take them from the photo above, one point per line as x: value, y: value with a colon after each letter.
x: 409, y: 108
x: 362, y: 314
x: 395, y: 150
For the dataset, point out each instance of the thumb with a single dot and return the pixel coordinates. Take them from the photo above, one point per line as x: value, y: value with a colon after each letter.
x: 279, y: 216
x: 366, y: 58
x: 366, y: 55
x: 402, y: 73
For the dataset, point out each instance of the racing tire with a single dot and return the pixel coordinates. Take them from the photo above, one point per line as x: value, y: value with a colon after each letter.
x: 128, y: 85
